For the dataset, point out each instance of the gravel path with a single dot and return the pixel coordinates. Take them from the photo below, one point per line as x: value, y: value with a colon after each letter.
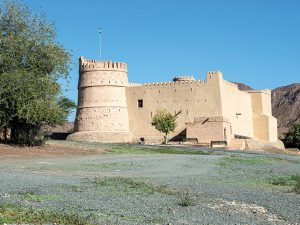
x: 222, y: 188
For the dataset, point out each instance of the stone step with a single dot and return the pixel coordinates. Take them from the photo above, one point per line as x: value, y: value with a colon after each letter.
x: 237, y: 144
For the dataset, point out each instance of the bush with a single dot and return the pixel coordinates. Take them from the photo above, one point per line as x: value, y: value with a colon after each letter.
x: 186, y: 201
x: 293, y: 180
x: 292, y: 137
x: 297, y: 185
x: 28, y: 134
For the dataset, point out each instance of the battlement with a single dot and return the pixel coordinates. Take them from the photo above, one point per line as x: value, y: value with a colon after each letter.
x: 177, y: 83
x: 214, y: 73
x: 92, y: 65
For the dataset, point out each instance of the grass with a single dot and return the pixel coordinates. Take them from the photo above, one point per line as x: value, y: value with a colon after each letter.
x: 111, y: 165
x: 133, y: 149
x: 148, y: 150
x: 31, y: 196
x: 130, y: 185
x: 286, y: 180
x: 11, y: 214
x: 186, y: 201
x: 233, y: 159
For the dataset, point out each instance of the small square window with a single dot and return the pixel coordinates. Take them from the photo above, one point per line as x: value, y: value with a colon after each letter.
x: 140, y: 103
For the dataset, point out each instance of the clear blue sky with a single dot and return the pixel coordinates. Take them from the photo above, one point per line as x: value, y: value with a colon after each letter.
x: 256, y: 42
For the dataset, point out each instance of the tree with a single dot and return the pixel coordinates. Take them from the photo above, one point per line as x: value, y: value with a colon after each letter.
x: 164, y: 122
x: 292, y: 137
x: 31, y: 62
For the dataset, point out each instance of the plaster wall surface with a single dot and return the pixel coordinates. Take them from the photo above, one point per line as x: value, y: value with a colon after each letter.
x: 264, y: 124
x: 192, y: 98
x: 102, y: 113
x: 237, y: 107
x: 210, y: 129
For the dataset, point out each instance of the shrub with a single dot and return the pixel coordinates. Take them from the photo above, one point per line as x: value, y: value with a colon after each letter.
x: 293, y: 180
x: 292, y: 137
x: 186, y: 201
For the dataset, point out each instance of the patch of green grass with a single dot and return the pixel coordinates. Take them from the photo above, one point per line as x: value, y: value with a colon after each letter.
x: 11, y: 214
x: 286, y: 180
x: 255, y: 183
x: 233, y: 160
x: 72, y: 187
x: 129, y: 185
x: 148, y: 150
x: 283, y: 160
x: 297, y: 185
x: 133, y: 149
x: 108, y: 165
x: 31, y: 196
x: 186, y: 201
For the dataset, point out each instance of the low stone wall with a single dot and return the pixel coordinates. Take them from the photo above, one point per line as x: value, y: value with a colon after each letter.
x: 257, y: 145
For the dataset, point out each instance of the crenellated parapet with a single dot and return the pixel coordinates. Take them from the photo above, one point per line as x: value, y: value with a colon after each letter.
x: 169, y: 83
x: 214, y: 73
x: 102, y: 73
x: 93, y: 65
x: 214, y: 76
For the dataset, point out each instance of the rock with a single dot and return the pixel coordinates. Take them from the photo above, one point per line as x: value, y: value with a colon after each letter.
x: 286, y: 99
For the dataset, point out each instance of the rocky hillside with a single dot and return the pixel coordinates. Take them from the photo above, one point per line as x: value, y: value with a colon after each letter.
x: 243, y: 87
x: 286, y: 106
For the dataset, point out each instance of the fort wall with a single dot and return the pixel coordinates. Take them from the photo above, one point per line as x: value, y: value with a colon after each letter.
x: 112, y: 110
x: 192, y: 98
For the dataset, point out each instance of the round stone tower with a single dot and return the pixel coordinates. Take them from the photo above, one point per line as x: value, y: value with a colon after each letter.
x: 102, y: 109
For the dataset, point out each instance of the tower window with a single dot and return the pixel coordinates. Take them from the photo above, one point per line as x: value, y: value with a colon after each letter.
x: 140, y: 103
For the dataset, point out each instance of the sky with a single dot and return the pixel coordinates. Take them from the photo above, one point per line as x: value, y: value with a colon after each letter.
x: 256, y: 42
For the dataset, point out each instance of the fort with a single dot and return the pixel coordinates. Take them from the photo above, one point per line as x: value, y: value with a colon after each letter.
x: 112, y: 110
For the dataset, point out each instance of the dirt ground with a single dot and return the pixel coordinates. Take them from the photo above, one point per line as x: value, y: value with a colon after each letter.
x: 52, y: 149
x: 57, y: 149
x: 133, y: 185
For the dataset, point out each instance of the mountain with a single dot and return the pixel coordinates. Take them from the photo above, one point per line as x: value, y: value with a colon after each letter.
x: 285, y: 105
x: 243, y: 87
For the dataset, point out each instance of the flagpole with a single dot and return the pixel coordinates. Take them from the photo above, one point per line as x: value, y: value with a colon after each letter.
x: 100, y: 42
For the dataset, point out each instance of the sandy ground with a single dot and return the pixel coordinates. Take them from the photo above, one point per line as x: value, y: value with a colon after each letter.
x: 52, y: 149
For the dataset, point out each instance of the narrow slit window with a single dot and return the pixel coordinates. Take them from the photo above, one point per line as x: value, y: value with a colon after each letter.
x: 140, y: 103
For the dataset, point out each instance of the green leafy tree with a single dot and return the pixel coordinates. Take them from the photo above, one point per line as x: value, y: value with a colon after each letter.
x: 292, y: 137
x: 164, y: 122
x: 31, y: 62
